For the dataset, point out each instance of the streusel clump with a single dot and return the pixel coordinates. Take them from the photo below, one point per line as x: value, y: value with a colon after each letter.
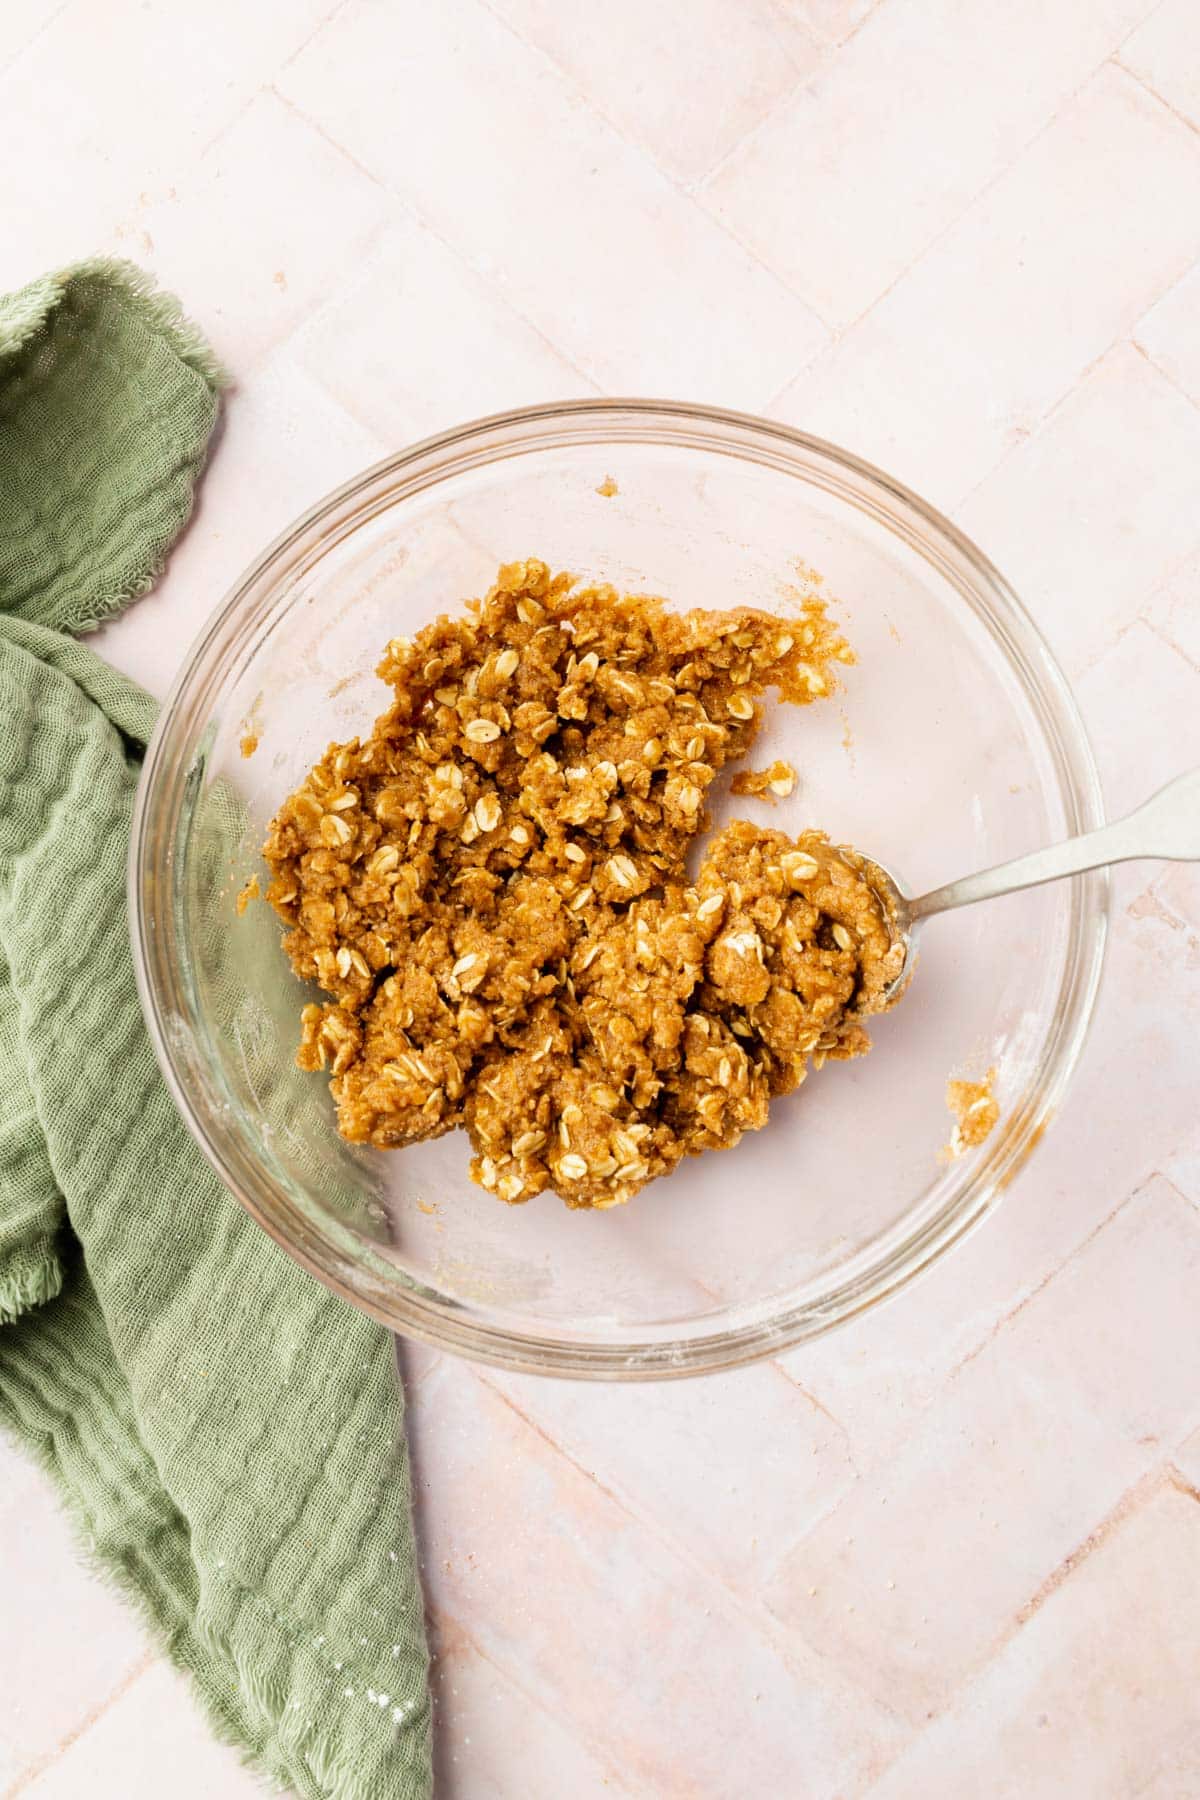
x: 491, y: 889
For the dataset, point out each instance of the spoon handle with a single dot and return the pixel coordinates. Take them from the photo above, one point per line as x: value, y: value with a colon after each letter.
x: 1167, y: 825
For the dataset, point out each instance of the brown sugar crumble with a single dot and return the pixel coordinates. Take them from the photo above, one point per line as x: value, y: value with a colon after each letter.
x: 772, y: 784
x: 250, y: 892
x: 492, y: 890
x: 249, y: 743
x: 608, y: 487
x: 975, y: 1110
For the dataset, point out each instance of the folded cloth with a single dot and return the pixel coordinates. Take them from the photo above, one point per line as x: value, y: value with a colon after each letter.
x: 226, y: 1434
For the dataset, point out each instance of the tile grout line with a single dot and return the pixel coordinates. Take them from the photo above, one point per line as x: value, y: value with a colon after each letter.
x: 1134, y: 1496
x: 829, y: 50
x: 836, y: 43
x: 38, y: 33
x: 596, y: 1747
x: 38, y: 1768
x: 409, y: 1383
x: 1106, y: 650
x: 276, y: 346
x: 1148, y: 356
x: 1149, y: 88
x: 327, y: 20
x: 873, y: 8
x: 1129, y: 1502
x: 1172, y: 570
x: 1179, y: 1481
x: 1084, y: 1550
x: 1165, y: 638
x: 1046, y: 417
x: 1152, y: 10
x: 817, y: 1405
x: 828, y: 55
x: 589, y: 1475
x: 230, y: 124
x: 804, y: 369
x: 1058, y: 1269
x: 1124, y: 339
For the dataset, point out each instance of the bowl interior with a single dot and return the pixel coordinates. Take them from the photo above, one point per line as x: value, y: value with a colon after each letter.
x: 951, y: 747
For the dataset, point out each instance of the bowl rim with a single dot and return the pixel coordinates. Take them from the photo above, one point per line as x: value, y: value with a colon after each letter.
x: 331, y: 1251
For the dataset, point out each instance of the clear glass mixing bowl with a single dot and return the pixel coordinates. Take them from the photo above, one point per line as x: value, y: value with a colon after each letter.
x: 955, y: 744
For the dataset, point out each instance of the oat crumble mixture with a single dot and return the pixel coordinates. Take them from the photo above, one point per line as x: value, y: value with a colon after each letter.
x: 492, y: 889
x: 975, y: 1110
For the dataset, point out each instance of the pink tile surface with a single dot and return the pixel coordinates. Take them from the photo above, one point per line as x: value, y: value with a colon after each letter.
x: 857, y: 172
x: 517, y: 1561
x: 832, y: 21
x: 490, y: 1725
x: 1096, y: 1693
x: 67, y: 1643
x: 23, y: 20
x: 952, y: 1549
x: 410, y: 291
x: 755, y: 1461
x: 1038, y: 514
x: 578, y: 229
x: 1136, y: 759
x: 1035, y: 1439
x: 975, y: 342
x: 1172, y: 612
x: 1169, y: 334
x: 1187, y: 1461
x: 1165, y: 53
x: 151, y: 1740
x: 249, y: 201
x: 109, y: 103
x: 644, y: 73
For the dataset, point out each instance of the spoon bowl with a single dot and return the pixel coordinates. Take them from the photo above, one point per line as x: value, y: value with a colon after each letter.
x: 1167, y: 826
x: 897, y: 910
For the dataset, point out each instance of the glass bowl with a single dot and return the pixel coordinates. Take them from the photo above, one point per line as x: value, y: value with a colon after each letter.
x: 954, y: 745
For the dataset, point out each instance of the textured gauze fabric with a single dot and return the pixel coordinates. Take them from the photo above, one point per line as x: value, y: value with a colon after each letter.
x: 226, y: 1434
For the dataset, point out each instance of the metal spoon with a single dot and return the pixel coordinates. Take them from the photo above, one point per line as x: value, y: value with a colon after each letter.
x: 1166, y: 826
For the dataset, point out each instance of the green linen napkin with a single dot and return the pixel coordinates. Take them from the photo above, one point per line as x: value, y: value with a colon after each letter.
x: 226, y: 1433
